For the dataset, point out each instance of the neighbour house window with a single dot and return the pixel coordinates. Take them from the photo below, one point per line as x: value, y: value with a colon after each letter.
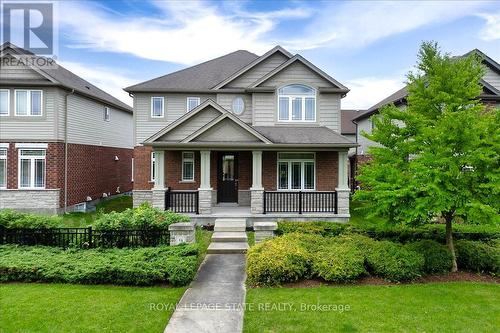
x: 296, y: 171
x: 157, y: 107
x: 238, y: 106
x: 107, y: 113
x: 4, y: 102
x: 132, y: 177
x: 28, y: 102
x: 296, y: 102
x: 153, y: 166
x: 192, y: 102
x: 188, y: 166
x: 32, y: 168
x: 3, y: 168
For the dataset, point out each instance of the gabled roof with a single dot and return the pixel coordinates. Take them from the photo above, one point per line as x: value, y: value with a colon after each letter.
x: 397, y: 98
x: 253, y: 64
x: 199, y: 77
x: 304, y: 135
x: 304, y: 61
x: 346, y: 124
x: 58, y: 75
x: 487, y: 60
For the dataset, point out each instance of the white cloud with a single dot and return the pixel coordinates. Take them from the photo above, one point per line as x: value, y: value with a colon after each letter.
x: 491, y: 30
x: 358, y: 23
x: 183, y: 32
x: 104, y: 78
x: 367, y: 91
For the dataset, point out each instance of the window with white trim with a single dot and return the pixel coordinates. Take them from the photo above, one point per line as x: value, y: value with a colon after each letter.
x: 3, y: 168
x: 153, y: 166
x: 238, y: 105
x: 296, y: 102
x: 188, y: 166
x: 157, y: 107
x: 28, y: 102
x: 4, y: 102
x: 191, y: 103
x: 31, y: 168
x: 107, y: 113
x: 296, y: 171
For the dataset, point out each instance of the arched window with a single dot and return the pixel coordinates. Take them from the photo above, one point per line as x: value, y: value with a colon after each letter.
x: 296, y: 102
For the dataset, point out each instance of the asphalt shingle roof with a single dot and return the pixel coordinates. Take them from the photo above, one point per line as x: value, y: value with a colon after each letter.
x: 302, y: 135
x: 346, y: 124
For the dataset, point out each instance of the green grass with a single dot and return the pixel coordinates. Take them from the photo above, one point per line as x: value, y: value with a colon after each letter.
x: 359, y: 219
x: 251, y: 238
x: 203, y: 237
x: 435, y: 307
x: 118, y: 204
x: 78, y: 308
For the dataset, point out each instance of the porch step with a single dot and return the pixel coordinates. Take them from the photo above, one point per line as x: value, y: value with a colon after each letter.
x: 227, y: 247
x: 230, y: 224
x: 229, y: 236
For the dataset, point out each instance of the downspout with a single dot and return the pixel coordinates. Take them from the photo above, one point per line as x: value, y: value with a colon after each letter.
x: 66, y: 152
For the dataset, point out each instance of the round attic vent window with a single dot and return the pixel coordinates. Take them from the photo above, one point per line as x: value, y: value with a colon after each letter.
x: 238, y: 105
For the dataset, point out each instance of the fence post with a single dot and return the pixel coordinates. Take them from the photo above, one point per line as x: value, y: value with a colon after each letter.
x: 197, y: 202
x: 167, y: 199
x: 300, y: 202
x: 90, y: 236
x: 336, y: 203
x: 264, y: 203
x: 2, y: 232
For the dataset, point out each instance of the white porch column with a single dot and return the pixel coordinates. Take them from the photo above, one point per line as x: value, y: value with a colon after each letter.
x: 205, y: 190
x: 159, y: 187
x: 342, y: 189
x: 257, y: 191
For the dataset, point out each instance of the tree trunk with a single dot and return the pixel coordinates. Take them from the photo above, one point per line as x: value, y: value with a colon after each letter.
x: 449, y: 240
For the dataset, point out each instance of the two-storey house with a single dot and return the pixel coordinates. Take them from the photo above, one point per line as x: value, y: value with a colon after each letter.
x: 63, y: 141
x: 242, y: 135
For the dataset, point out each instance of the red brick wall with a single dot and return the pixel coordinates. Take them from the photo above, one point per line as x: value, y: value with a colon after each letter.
x: 173, y: 171
x: 269, y: 160
x: 92, y: 170
x: 326, y: 170
x: 142, y: 168
x: 245, y: 170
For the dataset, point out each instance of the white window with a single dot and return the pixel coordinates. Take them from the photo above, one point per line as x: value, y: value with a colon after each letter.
x: 4, y: 102
x: 191, y: 103
x: 297, y: 102
x: 3, y: 168
x: 32, y: 168
x: 296, y: 171
x: 238, y: 105
x: 107, y: 113
x: 132, y: 177
x: 157, y: 107
x: 187, y: 166
x: 28, y: 102
x: 153, y: 166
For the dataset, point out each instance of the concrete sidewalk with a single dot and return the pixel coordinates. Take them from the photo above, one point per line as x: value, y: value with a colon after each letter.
x: 214, y: 302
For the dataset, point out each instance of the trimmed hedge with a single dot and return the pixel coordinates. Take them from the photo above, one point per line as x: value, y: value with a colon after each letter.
x: 338, y: 262
x: 478, y: 256
x: 437, y: 257
x: 145, y: 266
x: 397, y: 233
x: 12, y: 219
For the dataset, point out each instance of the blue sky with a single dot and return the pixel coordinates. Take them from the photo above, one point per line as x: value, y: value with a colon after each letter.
x: 366, y: 45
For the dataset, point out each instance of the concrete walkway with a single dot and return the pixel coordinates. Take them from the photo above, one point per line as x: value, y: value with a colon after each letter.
x: 214, y: 302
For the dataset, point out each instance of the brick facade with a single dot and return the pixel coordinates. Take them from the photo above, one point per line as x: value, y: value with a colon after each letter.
x: 92, y: 170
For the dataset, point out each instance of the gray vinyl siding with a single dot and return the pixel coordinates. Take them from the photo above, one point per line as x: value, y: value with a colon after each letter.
x: 264, y: 109
x: 328, y: 108
x: 86, y: 124
x: 258, y: 71
x: 492, y: 78
x: 226, y: 130
x: 188, y: 127
x: 226, y: 101
x: 297, y: 73
x: 20, y: 72
x: 175, y: 107
x: 32, y: 128
x: 364, y: 125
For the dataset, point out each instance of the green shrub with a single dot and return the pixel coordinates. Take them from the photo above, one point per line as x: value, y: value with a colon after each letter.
x: 394, y: 262
x: 12, y: 219
x: 437, y: 257
x: 142, y: 217
x: 478, y: 256
x: 338, y: 262
x: 144, y: 266
x: 276, y: 261
x: 316, y: 227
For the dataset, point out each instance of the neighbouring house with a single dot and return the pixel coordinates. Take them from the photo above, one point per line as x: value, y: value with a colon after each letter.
x: 364, y: 124
x: 243, y: 135
x: 348, y: 129
x: 63, y: 141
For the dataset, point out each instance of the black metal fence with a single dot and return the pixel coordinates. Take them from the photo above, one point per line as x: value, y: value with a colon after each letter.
x: 300, y: 202
x: 182, y: 201
x: 84, y: 237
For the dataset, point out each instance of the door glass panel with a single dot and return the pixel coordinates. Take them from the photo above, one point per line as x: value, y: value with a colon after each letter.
x: 228, y: 167
x: 39, y: 173
x: 296, y: 175
x: 308, y: 175
x: 3, y: 174
x: 25, y: 173
x: 283, y: 175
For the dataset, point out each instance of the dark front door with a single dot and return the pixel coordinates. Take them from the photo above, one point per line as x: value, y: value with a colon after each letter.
x: 228, y: 177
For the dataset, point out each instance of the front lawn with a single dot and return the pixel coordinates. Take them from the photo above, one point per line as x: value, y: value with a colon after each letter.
x: 80, y: 220
x: 79, y: 308
x: 435, y: 307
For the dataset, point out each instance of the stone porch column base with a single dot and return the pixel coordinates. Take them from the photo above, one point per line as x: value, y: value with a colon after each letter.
x: 159, y: 198
x: 343, y: 200
x: 205, y: 201
x: 264, y: 230
x: 257, y: 201
x: 181, y: 233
